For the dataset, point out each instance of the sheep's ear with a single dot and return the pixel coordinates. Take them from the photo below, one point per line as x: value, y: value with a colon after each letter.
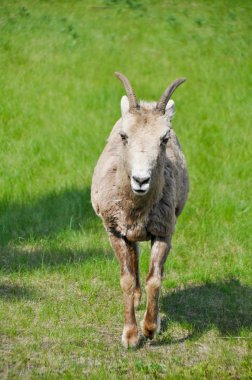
x: 124, y: 105
x: 170, y: 109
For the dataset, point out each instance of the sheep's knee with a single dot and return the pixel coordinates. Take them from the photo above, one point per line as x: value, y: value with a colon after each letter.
x: 128, y: 283
x: 153, y: 283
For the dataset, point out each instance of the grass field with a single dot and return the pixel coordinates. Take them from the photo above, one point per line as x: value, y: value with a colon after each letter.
x: 61, y: 310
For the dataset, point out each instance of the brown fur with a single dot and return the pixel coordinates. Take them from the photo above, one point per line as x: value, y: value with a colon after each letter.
x: 130, y: 218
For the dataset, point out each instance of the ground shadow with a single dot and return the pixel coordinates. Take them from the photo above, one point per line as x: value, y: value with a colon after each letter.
x: 13, y: 292
x: 18, y: 259
x: 23, y: 225
x: 46, y: 216
x: 226, y: 306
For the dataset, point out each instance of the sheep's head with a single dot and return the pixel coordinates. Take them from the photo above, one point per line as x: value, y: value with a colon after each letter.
x: 145, y: 133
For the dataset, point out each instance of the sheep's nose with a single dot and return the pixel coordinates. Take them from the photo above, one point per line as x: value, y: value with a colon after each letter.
x: 141, y: 180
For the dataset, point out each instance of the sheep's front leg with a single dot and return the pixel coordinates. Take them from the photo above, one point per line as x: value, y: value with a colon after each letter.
x: 159, y: 252
x: 128, y: 258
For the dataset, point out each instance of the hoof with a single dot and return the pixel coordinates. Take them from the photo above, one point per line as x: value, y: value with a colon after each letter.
x: 150, y: 329
x: 130, y: 337
x: 137, y: 297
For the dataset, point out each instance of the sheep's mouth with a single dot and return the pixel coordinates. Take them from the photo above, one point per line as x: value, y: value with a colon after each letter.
x: 140, y: 191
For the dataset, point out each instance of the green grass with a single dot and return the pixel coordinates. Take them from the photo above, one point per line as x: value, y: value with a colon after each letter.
x: 61, y: 311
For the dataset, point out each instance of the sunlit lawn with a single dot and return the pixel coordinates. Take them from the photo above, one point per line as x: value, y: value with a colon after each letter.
x: 61, y: 311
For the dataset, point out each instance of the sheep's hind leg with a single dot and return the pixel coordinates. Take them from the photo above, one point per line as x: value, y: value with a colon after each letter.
x: 159, y: 252
x: 137, y: 292
x: 126, y: 253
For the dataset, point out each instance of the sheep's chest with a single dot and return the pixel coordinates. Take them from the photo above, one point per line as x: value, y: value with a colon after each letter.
x: 159, y: 221
x: 138, y: 223
x: 133, y: 225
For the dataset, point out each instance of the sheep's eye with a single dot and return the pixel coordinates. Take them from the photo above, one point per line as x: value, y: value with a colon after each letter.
x: 124, y: 137
x: 164, y: 140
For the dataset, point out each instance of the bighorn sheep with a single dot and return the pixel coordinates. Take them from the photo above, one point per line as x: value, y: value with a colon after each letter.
x: 139, y: 187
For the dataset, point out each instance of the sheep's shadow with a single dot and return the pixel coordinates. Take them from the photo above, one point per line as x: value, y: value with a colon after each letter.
x: 24, y: 225
x: 12, y: 292
x: 46, y: 216
x: 19, y: 259
x: 225, y: 305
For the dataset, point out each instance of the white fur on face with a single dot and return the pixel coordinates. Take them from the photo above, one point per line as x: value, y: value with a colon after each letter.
x: 142, y: 152
x: 142, y: 155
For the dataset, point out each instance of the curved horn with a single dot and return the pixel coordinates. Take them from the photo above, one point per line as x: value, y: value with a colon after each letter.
x: 133, y: 103
x: 168, y: 93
